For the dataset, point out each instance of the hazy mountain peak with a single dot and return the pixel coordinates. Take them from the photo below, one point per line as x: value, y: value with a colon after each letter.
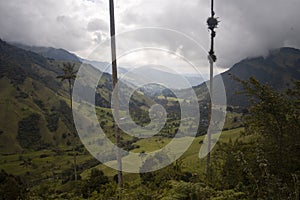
x: 50, y: 52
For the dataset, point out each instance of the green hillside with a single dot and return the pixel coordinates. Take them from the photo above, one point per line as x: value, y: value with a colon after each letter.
x: 257, y: 156
x: 30, y: 90
x: 49, y: 52
x: 278, y: 69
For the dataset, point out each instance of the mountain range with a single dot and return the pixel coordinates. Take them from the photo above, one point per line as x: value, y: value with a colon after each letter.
x: 63, y: 55
x: 278, y: 69
x: 34, y: 104
x: 50, y: 52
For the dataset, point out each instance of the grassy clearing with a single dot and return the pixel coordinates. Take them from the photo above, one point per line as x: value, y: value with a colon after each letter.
x: 191, y: 161
x: 190, y: 158
x: 45, y: 167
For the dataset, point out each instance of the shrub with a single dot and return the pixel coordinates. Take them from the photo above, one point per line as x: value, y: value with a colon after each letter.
x: 29, y: 131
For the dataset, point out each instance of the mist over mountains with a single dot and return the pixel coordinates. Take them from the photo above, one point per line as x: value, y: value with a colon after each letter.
x: 278, y: 69
x: 30, y: 90
x: 61, y: 54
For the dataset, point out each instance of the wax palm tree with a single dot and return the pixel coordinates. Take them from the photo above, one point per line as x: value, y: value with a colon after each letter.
x: 116, y: 97
x: 69, y: 74
x: 212, y: 23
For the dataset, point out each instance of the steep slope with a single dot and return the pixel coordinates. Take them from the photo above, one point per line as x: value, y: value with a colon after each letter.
x: 35, y: 109
x: 49, y: 52
x: 34, y: 104
x: 278, y: 70
x: 31, y: 101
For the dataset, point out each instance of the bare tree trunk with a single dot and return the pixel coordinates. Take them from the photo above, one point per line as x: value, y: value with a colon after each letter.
x: 210, y: 116
x: 116, y: 96
x: 73, y: 129
x: 212, y: 59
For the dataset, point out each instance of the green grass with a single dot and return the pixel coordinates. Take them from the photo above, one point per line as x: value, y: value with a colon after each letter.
x: 233, y: 120
x: 191, y: 161
x: 190, y: 158
x: 151, y: 144
x: 45, y: 167
x: 43, y: 170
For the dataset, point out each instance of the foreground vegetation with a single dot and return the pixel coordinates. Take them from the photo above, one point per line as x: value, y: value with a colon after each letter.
x: 260, y: 161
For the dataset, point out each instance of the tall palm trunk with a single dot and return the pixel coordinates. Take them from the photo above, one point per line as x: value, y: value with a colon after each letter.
x: 209, y: 117
x: 70, y: 74
x: 74, y: 152
x: 115, y: 86
x: 212, y: 23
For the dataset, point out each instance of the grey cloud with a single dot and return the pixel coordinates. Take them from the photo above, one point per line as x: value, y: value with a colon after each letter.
x: 96, y: 25
x: 252, y: 28
x: 43, y: 23
x: 98, y: 37
x: 248, y: 27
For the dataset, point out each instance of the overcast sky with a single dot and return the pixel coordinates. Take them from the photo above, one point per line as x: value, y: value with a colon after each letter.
x: 247, y: 28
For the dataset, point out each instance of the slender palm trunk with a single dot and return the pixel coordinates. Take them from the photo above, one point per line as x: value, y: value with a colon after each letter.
x: 116, y: 96
x: 210, y: 116
x: 73, y: 129
x: 212, y: 59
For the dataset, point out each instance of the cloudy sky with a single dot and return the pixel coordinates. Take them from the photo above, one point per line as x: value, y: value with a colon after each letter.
x: 248, y: 27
